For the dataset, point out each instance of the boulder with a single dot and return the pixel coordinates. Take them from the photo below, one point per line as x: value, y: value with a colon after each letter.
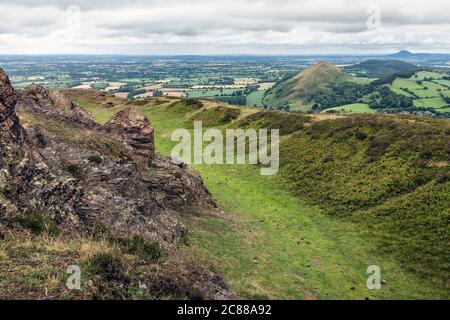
x: 135, y: 131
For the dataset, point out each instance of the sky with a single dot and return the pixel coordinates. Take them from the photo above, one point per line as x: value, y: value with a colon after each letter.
x: 263, y: 27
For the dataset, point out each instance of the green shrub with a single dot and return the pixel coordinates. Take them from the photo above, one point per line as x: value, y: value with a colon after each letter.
x: 108, y: 266
x: 95, y: 159
x: 193, y: 102
x: 75, y: 171
x: 287, y: 123
x: 41, y: 142
x: 216, y: 116
x: 386, y: 181
x: 37, y: 223
x: 143, y: 248
x: 443, y: 178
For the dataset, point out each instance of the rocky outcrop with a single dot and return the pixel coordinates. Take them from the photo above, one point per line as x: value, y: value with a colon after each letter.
x: 135, y: 131
x: 85, y: 180
x: 176, y: 185
x: 9, y: 122
x: 38, y: 99
x: 92, y: 183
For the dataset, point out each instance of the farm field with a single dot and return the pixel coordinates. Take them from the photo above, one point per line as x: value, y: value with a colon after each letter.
x: 435, y: 103
x: 255, y: 99
x: 425, y: 93
x: 353, y: 108
x: 421, y: 75
x: 209, y: 93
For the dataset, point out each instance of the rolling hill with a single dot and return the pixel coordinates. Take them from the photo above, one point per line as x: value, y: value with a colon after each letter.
x: 299, y: 91
x: 381, y: 68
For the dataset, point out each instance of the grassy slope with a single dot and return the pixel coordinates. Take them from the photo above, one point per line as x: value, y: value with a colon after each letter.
x: 383, y: 172
x: 270, y: 244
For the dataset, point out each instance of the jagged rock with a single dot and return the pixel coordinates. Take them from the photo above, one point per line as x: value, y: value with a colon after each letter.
x: 9, y: 123
x: 52, y: 174
x: 55, y: 178
x: 176, y: 185
x: 37, y: 99
x: 136, y: 132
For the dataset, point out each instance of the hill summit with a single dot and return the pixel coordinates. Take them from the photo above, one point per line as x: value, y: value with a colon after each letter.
x: 301, y: 89
x: 321, y: 74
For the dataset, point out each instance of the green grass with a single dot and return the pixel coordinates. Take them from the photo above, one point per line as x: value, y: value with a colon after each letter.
x: 434, y: 103
x: 102, y: 115
x: 270, y: 244
x: 400, y: 91
x: 429, y: 92
x: 353, y: 108
x: 405, y: 83
x: 445, y: 83
x: 255, y: 99
x: 210, y: 93
x: 360, y: 80
x: 427, y: 74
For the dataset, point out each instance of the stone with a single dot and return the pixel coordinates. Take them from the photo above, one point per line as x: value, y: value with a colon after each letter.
x: 37, y: 99
x: 9, y: 123
x: 136, y: 132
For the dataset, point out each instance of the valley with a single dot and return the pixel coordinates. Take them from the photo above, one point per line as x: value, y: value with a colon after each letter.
x: 270, y: 242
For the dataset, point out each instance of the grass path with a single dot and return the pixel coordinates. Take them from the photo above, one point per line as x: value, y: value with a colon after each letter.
x: 269, y: 244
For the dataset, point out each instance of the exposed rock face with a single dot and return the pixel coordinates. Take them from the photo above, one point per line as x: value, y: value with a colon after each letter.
x: 136, y: 132
x: 9, y: 123
x: 36, y: 98
x: 85, y: 180
x: 176, y: 185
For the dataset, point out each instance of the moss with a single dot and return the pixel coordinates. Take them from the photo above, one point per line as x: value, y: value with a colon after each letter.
x: 82, y: 138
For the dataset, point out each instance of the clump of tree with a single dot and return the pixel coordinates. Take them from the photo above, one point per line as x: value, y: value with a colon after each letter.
x: 387, y: 99
x: 406, y: 74
x: 341, y: 94
x: 192, y: 102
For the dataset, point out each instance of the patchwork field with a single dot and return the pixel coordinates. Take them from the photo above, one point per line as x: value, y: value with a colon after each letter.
x: 426, y: 88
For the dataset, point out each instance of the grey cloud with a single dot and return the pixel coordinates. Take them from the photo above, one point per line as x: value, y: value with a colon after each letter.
x: 218, y: 23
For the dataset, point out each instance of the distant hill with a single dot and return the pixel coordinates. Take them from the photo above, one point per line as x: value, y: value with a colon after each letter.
x: 382, y: 68
x: 302, y: 88
x: 404, y: 54
x: 410, y: 56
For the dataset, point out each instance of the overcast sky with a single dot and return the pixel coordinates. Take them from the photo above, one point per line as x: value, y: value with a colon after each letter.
x: 223, y: 26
